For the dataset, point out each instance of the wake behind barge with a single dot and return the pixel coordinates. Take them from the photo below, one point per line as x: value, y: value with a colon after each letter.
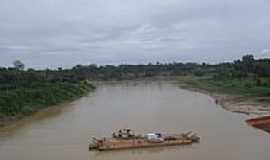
x: 127, y: 139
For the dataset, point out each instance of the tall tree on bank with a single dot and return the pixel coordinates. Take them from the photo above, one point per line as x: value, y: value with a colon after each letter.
x: 18, y: 65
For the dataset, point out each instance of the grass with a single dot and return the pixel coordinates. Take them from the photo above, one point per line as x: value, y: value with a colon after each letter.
x: 243, y: 87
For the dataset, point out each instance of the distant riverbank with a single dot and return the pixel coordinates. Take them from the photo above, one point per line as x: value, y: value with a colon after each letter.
x: 232, y: 95
x: 22, y: 102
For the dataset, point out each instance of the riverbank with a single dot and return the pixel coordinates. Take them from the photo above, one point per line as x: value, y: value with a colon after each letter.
x: 23, y: 102
x: 234, y: 98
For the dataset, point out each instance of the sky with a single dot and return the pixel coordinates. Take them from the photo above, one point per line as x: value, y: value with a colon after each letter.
x: 64, y: 33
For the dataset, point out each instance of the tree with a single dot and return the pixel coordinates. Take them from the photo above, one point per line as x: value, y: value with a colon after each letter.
x: 248, y: 63
x: 18, y: 65
x: 248, y: 59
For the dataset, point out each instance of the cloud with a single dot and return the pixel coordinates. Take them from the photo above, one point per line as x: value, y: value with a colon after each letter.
x: 265, y: 53
x: 48, y: 33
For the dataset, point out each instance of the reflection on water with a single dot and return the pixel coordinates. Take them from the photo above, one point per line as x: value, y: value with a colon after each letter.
x: 145, y: 106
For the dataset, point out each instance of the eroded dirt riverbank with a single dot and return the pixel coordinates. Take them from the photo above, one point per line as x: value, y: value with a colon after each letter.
x: 235, y: 103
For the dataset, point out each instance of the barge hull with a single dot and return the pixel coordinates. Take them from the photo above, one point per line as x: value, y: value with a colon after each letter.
x: 133, y: 144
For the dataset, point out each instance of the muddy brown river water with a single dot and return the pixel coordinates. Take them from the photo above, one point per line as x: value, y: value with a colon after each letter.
x: 62, y: 133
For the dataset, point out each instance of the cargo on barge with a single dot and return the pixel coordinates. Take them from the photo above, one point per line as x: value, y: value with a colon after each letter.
x: 127, y: 139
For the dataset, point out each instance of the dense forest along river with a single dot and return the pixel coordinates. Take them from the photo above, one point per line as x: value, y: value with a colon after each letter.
x: 62, y: 133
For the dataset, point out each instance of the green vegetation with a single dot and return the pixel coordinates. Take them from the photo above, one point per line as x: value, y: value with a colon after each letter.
x: 248, y: 77
x: 246, y: 88
x: 26, y: 100
x: 24, y: 92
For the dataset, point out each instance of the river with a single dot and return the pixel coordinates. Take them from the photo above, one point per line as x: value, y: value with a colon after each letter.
x: 62, y: 133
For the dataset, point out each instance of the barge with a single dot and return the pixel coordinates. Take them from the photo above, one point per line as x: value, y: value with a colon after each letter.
x: 260, y: 123
x: 127, y: 139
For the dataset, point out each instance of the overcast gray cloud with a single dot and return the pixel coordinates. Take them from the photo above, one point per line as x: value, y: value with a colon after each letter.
x: 51, y: 33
